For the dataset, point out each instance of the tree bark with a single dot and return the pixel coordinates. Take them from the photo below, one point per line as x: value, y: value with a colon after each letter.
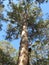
x: 23, y: 58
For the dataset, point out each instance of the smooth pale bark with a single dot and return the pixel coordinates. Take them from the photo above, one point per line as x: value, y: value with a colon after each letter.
x: 23, y: 51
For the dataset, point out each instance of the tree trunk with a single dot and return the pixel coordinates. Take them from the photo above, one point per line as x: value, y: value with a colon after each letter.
x: 23, y: 58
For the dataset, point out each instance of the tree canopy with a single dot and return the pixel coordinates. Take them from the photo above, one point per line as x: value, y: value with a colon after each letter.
x: 16, y: 17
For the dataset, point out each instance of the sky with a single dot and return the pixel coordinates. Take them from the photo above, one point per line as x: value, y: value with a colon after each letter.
x: 45, y: 9
x: 16, y: 43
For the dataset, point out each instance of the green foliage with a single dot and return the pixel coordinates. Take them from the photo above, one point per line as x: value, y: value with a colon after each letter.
x: 25, y: 11
x: 8, y: 55
x: 40, y: 53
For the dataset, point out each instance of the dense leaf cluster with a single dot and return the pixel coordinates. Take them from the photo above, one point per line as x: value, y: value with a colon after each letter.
x: 8, y: 54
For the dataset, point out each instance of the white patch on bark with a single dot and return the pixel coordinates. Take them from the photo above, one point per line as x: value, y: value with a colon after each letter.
x: 24, y: 27
x: 23, y: 32
x: 22, y: 50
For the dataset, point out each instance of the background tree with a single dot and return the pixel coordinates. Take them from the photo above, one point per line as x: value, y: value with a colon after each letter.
x: 39, y: 53
x: 7, y: 54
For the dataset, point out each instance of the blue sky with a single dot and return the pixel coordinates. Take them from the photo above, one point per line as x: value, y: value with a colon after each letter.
x: 45, y: 9
x: 15, y: 43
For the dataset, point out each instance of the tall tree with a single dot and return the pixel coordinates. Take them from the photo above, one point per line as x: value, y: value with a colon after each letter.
x: 23, y: 22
